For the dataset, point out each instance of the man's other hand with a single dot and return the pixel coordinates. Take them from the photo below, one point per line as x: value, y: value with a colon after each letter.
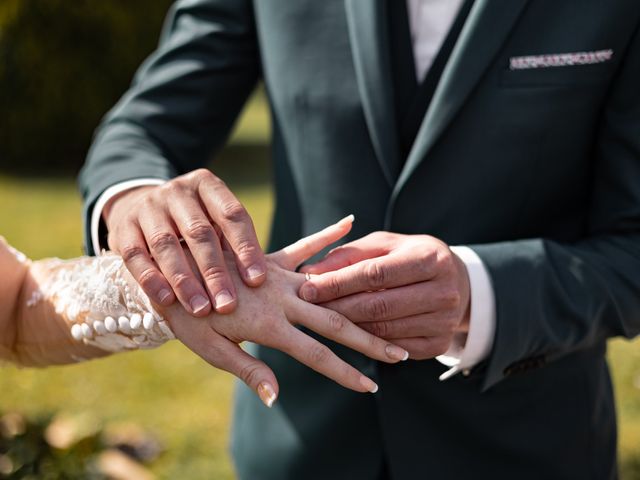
x: 411, y: 289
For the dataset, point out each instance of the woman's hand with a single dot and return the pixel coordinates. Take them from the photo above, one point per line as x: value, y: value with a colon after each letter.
x: 268, y: 315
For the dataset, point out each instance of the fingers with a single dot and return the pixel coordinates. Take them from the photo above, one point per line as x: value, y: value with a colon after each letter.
x: 132, y: 246
x: 426, y: 325
x: 338, y: 328
x: 293, y: 255
x: 165, y: 248
x: 221, y: 353
x: 419, y: 298
x: 368, y: 275
x: 425, y: 348
x: 370, y: 246
x: 320, y: 358
x: 203, y: 242
x: 237, y: 227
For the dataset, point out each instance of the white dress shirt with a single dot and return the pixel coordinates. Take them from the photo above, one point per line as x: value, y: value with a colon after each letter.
x: 430, y: 22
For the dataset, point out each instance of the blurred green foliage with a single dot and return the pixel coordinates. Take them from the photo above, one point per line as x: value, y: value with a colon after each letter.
x: 62, y: 66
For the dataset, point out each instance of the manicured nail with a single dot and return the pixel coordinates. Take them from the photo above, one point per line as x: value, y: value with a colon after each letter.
x: 163, y: 295
x: 309, y: 292
x: 223, y: 298
x: 368, y: 384
x: 396, y: 353
x: 348, y: 219
x: 267, y: 394
x: 198, y: 303
x: 255, y: 271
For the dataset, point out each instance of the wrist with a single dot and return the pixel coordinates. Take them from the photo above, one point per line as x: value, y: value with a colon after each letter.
x: 465, y: 294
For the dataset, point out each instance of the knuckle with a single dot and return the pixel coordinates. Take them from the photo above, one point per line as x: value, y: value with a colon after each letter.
x: 337, y: 322
x: 162, y: 241
x: 375, y: 275
x: 132, y: 252
x: 246, y: 248
x: 451, y: 298
x: 319, y: 354
x: 169, y: 187
x: 147, y: 277
x: 201, y: 174
x: 213, y: 273
x: 234, y: 212
x: 427, y: 257
x: 379, y: 329
x: 333, y: 287
x: 200, y: 232
x: 376, y: 308
x: 179, y: 280
x: 250, y: 374
x: 445, y: 261
x: 147, y: 203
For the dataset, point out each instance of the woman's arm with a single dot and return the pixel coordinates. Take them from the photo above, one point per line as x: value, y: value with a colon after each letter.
x: 13, y: 269
x: 69, y: 311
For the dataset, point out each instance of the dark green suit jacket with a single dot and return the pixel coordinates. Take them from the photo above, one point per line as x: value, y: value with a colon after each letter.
x: 538, y: 170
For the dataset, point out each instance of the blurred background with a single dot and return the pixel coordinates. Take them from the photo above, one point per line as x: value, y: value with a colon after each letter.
x: 162, y: 413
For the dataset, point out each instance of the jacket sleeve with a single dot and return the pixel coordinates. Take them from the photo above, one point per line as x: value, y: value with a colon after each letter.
x: 182, y: 103
x: 554, y: 298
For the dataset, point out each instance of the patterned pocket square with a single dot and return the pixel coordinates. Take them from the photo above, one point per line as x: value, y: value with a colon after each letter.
x: 560, y: 60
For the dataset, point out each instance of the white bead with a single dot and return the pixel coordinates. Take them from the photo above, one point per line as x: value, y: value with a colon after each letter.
x: 110, y: 324
x: 76, y: 332
x: 166, y: 330
x: 136, y: 321
x: 148, y: 321
x: 99, y: 327
x: 124, y: 325
x: 86, y: 331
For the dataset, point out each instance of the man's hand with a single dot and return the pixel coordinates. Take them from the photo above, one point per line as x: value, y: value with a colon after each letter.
x: 410, y: 289
x: 146, y: 226
x: 269, y: 315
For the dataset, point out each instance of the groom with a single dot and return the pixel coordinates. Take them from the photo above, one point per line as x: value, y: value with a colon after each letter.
x: 508, y: 129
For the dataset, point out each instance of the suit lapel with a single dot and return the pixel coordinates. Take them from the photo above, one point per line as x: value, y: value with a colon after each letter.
x: 370, y: 48
x: 486, y: 29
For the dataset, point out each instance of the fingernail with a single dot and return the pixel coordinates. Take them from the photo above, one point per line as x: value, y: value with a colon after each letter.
x: 198, y: 303
x: 255, y: 271
x: 163, y: 295
x: 267, y: 394
x: 308, y: 292
x: 348, y: 219
x: 223, y: 298
x: 369, y: 384
x: 396, y: 353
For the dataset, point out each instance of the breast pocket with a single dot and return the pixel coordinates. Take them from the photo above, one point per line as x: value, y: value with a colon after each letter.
x: 562, y: 70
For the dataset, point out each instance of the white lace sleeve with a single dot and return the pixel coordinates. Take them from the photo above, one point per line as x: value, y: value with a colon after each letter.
x: 101, y: 304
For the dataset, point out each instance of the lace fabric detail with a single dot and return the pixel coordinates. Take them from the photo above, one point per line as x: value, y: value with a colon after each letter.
x: 101, y: 304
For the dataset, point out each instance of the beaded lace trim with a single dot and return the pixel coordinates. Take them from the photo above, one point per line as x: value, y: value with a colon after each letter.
x: 102, y: 307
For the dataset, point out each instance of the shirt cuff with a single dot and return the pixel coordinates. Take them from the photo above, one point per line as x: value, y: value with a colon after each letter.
x: 107, y: 195
x: 469, y: 349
